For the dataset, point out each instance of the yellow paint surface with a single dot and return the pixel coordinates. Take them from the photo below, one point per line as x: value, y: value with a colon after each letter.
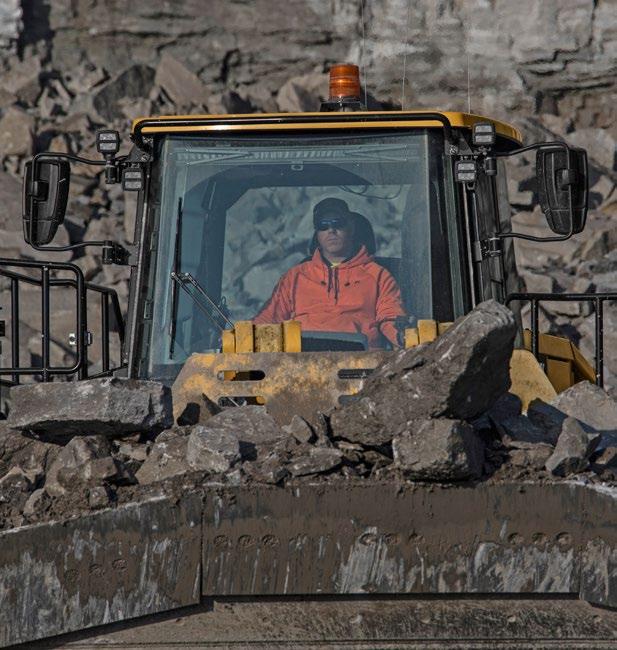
x: 427, y: 330
x: 528, y: 379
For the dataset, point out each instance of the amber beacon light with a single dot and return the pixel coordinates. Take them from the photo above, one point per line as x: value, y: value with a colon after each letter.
x: 344, y: 82
x: 344, y: 89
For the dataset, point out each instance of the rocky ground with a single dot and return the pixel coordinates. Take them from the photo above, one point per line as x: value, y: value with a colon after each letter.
x: 66, y: 449
x: 69, y: 68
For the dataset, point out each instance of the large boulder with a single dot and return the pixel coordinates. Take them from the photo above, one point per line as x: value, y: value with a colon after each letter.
x: 439, y: 450
x: 458, y: 376
x: 110, y: 406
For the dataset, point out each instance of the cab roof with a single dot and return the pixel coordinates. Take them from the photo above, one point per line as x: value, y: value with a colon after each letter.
x: 322, y: 120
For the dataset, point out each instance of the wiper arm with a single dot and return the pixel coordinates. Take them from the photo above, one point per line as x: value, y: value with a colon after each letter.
x: 174, y: 289
x: 183, y: 280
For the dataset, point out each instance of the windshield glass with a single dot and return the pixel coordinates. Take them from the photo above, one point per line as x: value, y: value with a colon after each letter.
x: 351, y: 235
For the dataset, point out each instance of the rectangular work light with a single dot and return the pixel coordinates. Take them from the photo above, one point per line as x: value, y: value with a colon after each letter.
x: 483, y: 134
x: 132, y: 179
x: 465, y: 171
x: 107, y: 142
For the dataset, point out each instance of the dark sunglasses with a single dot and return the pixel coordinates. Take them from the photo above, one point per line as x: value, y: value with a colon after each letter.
x: 334, y: 223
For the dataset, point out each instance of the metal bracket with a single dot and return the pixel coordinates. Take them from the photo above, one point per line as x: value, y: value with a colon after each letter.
x: 487, y: 248
x: 73, y: 338
x: 114, y: 253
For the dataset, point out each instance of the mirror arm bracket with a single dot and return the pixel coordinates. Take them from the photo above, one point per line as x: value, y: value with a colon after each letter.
x: 115, y: 253
x: 112, y: 252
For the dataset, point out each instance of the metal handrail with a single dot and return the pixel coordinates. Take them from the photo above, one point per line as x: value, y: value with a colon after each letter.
x: 598, y: 299
x: 82, y: 287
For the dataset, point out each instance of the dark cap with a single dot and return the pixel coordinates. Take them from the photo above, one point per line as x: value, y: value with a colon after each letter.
x: 331, y: 207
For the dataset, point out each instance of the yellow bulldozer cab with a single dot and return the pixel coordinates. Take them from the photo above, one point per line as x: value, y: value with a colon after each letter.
x: 234, y: 198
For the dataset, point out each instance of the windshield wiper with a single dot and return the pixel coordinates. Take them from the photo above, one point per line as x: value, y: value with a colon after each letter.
x: 174, y: 289
x: 216, y: 315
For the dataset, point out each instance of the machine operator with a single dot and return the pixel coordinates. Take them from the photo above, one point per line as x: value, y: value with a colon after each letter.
x: 341, y: 288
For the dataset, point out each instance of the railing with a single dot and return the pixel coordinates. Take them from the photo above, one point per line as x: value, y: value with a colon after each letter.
x: 109, y: 300
x: 598, y: 300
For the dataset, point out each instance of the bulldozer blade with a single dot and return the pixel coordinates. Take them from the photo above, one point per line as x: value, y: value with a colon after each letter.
x: 135, y: 560
x: 509, y: 542
x: 393, y: 539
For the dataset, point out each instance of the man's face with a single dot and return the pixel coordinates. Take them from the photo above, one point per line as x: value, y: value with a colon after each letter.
x: 335, y: 236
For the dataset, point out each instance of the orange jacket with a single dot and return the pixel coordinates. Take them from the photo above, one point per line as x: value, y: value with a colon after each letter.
x: 355, y: 296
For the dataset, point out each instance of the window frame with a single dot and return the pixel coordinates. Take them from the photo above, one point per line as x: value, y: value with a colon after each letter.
x: 152, y: 220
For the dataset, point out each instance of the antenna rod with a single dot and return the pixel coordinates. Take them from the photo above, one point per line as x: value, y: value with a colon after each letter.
x: 406, y: 47
x: 468, y: 86
x: 363, y: 56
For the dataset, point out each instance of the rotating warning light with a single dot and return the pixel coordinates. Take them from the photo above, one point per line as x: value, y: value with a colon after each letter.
x: 344, y: 81
x: 483, y: 134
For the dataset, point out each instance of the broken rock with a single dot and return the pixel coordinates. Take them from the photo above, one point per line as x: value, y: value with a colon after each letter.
x: 520, y: 433
x: 133, y: 83
x: 183, y: 87
x: 167, y: 458
x: 458, y: 376
x: 507, y: 406
x: 300, y: 429
x: 212, y: 450
x: 267, y: 470
x: 76, y: 463
x: 573, y: 449
x: 303, y: 93
x: 16, y: 480
x: 37, y: 502
x: 198, y: 413
x: 593, y: 407
x: 25, y: 452
x: 98, y: 497
x: 252, y: 426
x: 534, y: 457
x: 318, y: 460
x: 605, y: 463
x: 439, y: 450
x: 546, y: 417
x: 16, y: 128
x: 110, y: 406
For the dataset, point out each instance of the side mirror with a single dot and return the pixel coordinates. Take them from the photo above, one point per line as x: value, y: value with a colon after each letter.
x: 45, y: 195
x: 561, y: 173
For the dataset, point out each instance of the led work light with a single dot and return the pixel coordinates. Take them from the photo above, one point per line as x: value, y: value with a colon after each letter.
x: 465, y: 171
x: 107, y: 142
x: 483, y: 134
x: 132, y: 179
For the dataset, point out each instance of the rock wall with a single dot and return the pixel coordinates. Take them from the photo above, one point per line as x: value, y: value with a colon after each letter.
x: 68, y: 67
